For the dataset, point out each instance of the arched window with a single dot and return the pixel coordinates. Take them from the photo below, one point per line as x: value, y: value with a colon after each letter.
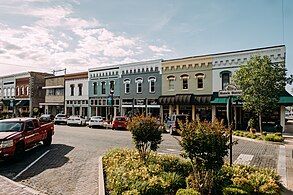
x: 225, y: 75
x: 138, y: 85
x: 12, y: 92
x: 112, y: 85
x: 126, y: 86
x: 171, y: 82
x: 27, y: 90
x: 152, y: 81
x: 200, y: 80
x: 184, y: 78
x: 103, y: 87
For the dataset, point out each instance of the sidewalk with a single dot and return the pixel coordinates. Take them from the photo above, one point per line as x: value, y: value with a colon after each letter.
x: 10, y: 187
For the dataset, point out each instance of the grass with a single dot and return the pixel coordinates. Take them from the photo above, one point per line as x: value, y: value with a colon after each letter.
x: 273, y: 137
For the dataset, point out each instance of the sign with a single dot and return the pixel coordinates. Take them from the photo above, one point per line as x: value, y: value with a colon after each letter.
x: 152, y: 102
x: 230, y: 90
x: 127, y: 102
x: 140, y: 102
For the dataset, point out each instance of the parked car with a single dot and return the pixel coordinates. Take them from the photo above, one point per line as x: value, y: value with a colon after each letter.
x: 96, y: 121
x: 173, y: 124
x: 119, y: 122
x: 20, y: 134
x: 76, y: 120
x: 60, y: 119
x: 46, y: 118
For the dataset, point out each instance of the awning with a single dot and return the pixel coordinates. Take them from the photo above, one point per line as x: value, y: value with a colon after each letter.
x: 52, y: 104
x: 184, y: 99
x: 7, y: 102
x: 166, y: 100
x: 203, y: 99
x: 286, y: 100
x: 22, y: 103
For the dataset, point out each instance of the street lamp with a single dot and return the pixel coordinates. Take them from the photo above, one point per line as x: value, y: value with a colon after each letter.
x: 111, y: 103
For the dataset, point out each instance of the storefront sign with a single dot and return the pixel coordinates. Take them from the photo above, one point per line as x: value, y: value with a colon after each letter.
x: 153, y: 102
x: 230, y: 90
x: 140, y: 102
x: 127, y: 102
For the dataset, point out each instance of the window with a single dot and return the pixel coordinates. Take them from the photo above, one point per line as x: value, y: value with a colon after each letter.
x: 112, y: 84
x: 225, y: 78
x: 27, y: 90
x: 8, y: 92
x: 199, y: 77
x: 0, y: 92
x: 171, y: 82
x: 138, y: 85
x: 184, y: 78
x: 126, y: 85
x: 80, y: 89
x: 152, y: 81
x: 12, y: 92
x: 22, y: 90
x: 95, y: 88
x: 72, y: 90
x: 103, y: 87
x: 5, y: 92
x: 17, y: 91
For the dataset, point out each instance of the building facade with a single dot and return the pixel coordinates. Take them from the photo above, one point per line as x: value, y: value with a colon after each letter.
x: 76, y: 94
x: 54, y: 99
x: 187, y: 87
x: 21, y: 93
x: 224, y: 67
x: 140, y: 87
x: 104, y: 91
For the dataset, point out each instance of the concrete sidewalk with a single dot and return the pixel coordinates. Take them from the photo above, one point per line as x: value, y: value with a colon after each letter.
x: 288, y: 135
x: 10, y: 187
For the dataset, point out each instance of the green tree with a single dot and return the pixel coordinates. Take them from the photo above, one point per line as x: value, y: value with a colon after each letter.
x: 262, y: 83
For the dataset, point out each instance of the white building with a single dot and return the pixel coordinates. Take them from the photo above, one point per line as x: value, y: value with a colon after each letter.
x: 76, y: 94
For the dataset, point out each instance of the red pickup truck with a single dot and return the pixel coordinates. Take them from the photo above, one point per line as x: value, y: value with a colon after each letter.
x: 19, y: 134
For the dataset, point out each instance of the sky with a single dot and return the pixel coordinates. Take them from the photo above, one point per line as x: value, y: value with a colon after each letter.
x: 46, y: 35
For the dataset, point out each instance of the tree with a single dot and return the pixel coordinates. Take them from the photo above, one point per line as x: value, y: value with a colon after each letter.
x: 262, y: 82
x: 146, y: 134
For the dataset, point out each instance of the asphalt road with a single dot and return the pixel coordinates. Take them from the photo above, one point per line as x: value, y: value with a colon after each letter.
x: 70, y: 165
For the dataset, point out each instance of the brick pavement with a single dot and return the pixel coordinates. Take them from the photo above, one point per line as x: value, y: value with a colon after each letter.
x: 10, y: 187
x: 289, y: 154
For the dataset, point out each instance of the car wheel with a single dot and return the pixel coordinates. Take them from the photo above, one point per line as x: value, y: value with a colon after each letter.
x: 47, y: 142
x: 19, y: 152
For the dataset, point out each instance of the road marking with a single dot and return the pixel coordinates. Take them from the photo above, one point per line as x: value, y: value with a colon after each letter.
x: 243, y: 159
x: 281, y: 168
x: 30, y: 165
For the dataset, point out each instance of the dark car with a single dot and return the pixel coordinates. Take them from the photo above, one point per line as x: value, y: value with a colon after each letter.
x: 173, y: 124
x: 46, y: 118
x: 120, y: 122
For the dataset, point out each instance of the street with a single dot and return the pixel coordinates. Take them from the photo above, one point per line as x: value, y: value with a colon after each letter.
x: 70, y: 165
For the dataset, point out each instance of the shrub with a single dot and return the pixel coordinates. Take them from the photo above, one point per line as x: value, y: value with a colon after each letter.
x: 254, y: 180
x: 274, y: 137
x: 145, y: 134
x: 187, y: 192
x: 205, y: 144
x: 252, y: 123
x: 127, y: 173
x: 233, y: 191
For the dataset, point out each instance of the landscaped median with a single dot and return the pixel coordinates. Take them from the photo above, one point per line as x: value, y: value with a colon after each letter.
x: 202, y: 171
x: 273, y: 137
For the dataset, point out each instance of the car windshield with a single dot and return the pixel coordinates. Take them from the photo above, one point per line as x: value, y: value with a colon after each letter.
x: 96, y: 117
x: 10, y: 126
x: 120, y: 119
x: 60, y: 115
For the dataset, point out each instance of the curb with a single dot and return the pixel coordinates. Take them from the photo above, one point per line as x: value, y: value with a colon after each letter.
x: 22, y: 187
x: 101, y: 177
x: 259, y: 141
x: 281, y: 166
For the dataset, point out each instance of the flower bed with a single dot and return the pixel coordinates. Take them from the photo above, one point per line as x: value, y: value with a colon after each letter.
x: 126, y: 173
x: 273, y: 137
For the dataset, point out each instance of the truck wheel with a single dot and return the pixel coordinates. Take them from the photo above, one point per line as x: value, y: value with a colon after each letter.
x: 48, y: 140
x: 19, y: 152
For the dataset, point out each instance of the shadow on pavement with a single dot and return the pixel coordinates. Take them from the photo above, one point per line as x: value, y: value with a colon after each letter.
x: 53, y: 159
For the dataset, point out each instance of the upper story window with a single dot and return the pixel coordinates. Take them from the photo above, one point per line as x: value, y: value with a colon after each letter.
x: 27, y: 90
x: 80, y: 89
x: 200, y: 78
x: 0, y: 92
x: 171, y: 82
x: 103, y: 87
x: 8, y: 92
x: 17, y: 91
x: 5, y: 92
x: 138, y: 85
x: 12, y: 92
x: 152, y: 81
x: 184, y: 79
x: 72, y: 90
x: 225, y: 75
x: 112, y: 85
x: 95, y: 88
x: 126, y: 86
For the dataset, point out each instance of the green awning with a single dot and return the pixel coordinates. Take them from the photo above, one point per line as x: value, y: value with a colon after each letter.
x: 22, y: 103
x: 286, y: 100
x: 223, y: 100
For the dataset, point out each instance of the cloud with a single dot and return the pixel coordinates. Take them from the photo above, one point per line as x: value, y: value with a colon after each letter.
x: 57, y: 37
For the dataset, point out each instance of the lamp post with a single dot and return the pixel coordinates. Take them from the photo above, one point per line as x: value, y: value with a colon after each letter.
x: 111, y: 98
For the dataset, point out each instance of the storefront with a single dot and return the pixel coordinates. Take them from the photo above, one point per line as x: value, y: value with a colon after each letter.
x: 140, y: 106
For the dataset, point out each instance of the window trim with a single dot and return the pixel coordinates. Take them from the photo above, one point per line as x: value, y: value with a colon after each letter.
x: 184, y: 77
x: 169, y: 79
x: 103, y: 87
x: 200, y: 76
x: 150, y: 80
x: 127, y: 81
x: 138, y: 81
x: 72, y: 86
x: 80, y: 86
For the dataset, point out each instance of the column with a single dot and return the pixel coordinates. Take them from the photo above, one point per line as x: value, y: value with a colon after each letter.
x: 213, y: 113
x: 282, y: 117
x: 170, y: 110
x: 177, y: 109
x: 162, y: 113
x: 115, y: 112
x: 193, y: 112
